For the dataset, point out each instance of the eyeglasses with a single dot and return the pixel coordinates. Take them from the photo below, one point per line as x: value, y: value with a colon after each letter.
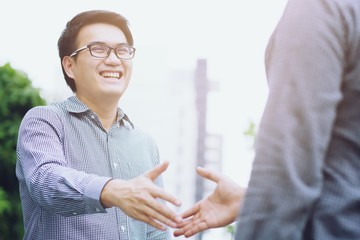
x: 123, y: 52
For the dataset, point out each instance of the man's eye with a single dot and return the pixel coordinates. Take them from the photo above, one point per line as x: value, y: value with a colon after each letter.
x: 123, y: 50
x: 99, y: 48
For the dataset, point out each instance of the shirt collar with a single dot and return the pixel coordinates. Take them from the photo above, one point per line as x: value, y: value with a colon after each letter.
x: 75, y: 105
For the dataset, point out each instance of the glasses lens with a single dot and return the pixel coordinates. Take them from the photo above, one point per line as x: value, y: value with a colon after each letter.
x: 103, y: 51
x: 125, y: 52
x: 100, y: 51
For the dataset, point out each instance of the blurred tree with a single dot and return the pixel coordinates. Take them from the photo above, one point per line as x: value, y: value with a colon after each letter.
x: 17, y: 96
x: 250, y: 132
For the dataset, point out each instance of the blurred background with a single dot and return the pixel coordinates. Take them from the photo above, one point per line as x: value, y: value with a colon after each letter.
x: 198, y: 85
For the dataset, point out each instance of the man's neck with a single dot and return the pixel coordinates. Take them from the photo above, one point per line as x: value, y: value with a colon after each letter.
x: 106, y: 110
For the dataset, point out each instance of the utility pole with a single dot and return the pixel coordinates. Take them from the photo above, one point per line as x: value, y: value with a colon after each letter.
x: 209, y: 146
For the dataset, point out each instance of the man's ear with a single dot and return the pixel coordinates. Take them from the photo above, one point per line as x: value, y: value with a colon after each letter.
x: 67, y: 63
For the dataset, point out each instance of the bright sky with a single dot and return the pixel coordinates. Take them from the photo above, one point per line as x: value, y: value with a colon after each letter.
x: 231, y: 34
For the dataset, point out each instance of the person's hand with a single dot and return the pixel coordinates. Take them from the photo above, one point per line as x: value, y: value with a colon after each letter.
x: 217, y: 210
x: 138, y: 198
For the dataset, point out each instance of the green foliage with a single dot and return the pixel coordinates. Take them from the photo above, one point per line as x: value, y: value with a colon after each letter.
x: 231, y: 230
x: 17, y: 96
x: 250, y: 132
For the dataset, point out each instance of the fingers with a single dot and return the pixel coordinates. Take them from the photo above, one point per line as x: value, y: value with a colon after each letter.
x: 154, y: 215
x: 139, y: 199
x: 196, y: 229
x: 184, y: 226
x: 153, y: 223
x: 179, y: 232
x: 213, y: 176
x: 191, y: 228
x: 149, y: 199
x: 162, y: 213
x: 162, y: 194
x: 192, y: 211
x: 189, y: 225
x: 144, y: 207
x: 156, y: 171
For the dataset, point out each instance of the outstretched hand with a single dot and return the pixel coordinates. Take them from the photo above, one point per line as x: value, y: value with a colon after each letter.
x: 138, y: 198
x: 217, y: 210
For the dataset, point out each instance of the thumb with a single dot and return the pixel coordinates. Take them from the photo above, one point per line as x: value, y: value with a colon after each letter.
x: 210, y: 175
x: 156, y: 171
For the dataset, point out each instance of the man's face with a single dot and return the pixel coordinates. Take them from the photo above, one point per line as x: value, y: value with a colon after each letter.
x: 99, y: 79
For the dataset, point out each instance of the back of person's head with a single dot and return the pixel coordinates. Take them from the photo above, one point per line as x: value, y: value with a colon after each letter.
x: 67, y: 40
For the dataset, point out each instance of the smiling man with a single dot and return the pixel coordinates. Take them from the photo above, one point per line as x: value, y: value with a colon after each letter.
x: 84, y: 171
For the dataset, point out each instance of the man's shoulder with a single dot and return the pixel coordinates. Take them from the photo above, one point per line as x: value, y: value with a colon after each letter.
x: 51, y: 110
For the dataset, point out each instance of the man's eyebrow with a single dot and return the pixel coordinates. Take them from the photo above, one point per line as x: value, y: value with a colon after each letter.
x: 103, y: 43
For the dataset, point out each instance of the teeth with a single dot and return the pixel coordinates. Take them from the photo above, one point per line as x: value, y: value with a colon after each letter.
x: 111, y: 75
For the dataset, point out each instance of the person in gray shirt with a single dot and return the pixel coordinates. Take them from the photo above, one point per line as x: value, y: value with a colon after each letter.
x: 84, y: 170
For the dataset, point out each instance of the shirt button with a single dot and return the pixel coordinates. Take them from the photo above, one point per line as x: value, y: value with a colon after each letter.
x: 74, y: 213
x: 123, y: 228
x: 115, y: 165
x: 92, y: 116
x: 98, y: 210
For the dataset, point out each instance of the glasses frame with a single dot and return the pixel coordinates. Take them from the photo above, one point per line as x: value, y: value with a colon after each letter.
x: 77, y: 51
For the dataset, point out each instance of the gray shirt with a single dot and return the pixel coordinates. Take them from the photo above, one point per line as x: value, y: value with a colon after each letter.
x: 305, y: 182
x: 64, y: 159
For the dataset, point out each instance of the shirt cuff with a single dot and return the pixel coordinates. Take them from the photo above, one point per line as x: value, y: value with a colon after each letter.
x: 92, y: 194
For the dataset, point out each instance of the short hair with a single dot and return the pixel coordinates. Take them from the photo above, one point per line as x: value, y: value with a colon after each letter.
x: 67, y: 40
